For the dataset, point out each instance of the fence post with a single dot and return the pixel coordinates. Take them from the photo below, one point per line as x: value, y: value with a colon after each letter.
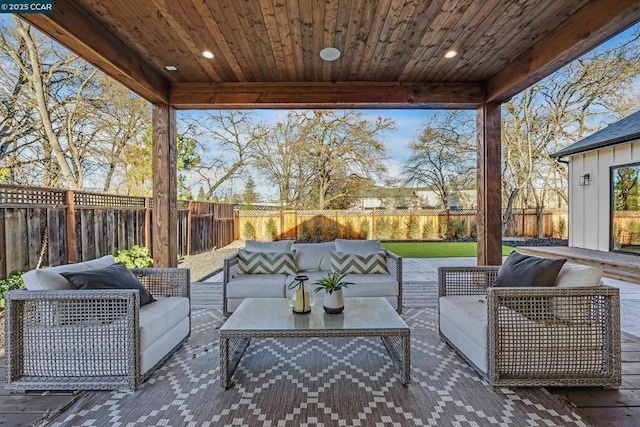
x: 189, y: 228
x: 147, y: 222
x: 72, y: 248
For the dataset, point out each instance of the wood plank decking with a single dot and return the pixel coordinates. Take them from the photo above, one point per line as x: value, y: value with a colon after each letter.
x: 599, y: 407
x: 613, y: 264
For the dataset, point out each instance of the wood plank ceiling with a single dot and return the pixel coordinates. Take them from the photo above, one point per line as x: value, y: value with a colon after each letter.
x: 392, y: 50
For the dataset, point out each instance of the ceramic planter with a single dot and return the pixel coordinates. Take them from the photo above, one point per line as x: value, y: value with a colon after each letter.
x: 334, y: 302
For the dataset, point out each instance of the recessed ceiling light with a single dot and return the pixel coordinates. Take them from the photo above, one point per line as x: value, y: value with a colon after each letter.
x: 450, y: 54
x: 171, y: 68
x: 207, y: 54
x: 329, y: 54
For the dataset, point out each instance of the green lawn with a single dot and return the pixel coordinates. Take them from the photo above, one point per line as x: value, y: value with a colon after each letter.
x: 436, y: 249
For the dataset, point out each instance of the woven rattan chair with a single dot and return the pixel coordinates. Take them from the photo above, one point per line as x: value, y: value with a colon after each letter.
x: 537, y: 336
x: 87, y: 339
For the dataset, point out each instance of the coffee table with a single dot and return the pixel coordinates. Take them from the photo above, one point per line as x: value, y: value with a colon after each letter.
x: 273, y: 318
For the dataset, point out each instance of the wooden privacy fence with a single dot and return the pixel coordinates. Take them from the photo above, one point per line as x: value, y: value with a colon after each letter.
x: 401, y: 224
x: 51, y: 227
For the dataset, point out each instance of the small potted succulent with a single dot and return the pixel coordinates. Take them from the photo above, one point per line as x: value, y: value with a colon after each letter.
x: 333, y: 298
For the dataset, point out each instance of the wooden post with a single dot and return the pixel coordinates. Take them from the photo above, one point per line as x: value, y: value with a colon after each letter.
x: 489, y: 185
x: 165, y: 203
x: 189, y: 227
x: 72, y: 248
x: 147, y: 222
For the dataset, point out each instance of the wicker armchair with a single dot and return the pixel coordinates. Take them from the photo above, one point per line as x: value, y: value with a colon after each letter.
x: 90, y: 339
x: 540, y: 336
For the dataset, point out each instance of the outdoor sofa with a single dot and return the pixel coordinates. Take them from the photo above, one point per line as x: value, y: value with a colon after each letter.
x: 269, y: 267
x: 566, y: 333
x: 62, y: 338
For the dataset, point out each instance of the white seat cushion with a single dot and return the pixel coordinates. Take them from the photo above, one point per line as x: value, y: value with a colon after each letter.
x: 50, y: 279
x: 468, y: 313
x: 257, y: 286
x: 371, y: 285
x: 159, y: 348
x: 158, y: 318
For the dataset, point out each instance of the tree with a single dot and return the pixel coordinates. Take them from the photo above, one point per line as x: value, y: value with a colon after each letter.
x: 562, y: 109
x: 250, y: 195
x: 276, y: 155
x: 341, y: 146
x: 443, y: 156
x: 225, y: 141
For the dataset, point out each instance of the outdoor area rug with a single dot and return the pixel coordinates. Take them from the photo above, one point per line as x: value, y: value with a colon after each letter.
x: 318, y: 382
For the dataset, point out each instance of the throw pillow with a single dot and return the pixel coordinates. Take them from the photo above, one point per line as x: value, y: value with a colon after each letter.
x: 349, y: 263
x: 521, y: 270
x: 266, y: 262
x: 116, y: 276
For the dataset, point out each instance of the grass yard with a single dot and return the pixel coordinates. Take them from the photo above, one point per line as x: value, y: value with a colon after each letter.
x: 436, y: 249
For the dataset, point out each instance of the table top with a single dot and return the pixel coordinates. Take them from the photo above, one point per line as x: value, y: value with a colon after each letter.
x: 275, y: 314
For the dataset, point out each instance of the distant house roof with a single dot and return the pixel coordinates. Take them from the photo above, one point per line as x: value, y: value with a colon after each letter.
x: 625, y: 130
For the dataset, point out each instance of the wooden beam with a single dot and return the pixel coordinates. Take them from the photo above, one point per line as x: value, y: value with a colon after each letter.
x: 165, y: 201
x: 74, y: 28
x: 594, y: 23
x: 489, y: 184
x: 325, y: 95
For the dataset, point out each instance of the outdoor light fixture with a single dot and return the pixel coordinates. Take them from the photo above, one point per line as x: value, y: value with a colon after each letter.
x: 329, y: 54
x: 171, y: 68
x: 584, y: 180
x: 450, y: 54
x: 207, y: 54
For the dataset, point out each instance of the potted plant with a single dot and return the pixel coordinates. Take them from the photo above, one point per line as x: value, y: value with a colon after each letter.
x: 333, y: 298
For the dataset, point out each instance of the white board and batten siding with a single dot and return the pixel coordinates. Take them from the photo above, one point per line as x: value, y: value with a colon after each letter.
x: 589, y: 206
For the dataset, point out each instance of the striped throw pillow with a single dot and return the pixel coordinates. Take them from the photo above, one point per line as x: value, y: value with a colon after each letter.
x: 350, y: 263
x: 266, y: 262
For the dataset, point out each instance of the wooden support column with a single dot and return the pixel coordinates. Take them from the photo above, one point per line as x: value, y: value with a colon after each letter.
x: 165, y: 202
x: 489, y: 185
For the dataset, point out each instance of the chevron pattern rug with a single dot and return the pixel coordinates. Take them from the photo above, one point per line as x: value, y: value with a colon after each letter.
x: 318, y: 382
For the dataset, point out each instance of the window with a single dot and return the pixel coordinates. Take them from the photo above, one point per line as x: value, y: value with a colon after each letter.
x: 625, y: 206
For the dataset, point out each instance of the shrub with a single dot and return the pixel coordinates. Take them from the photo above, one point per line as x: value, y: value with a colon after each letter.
x: 383, y: 228
x: 14, y: 281
x: 272, y: 229
x: 413, y: 227
x: 332, y: 231
x: 348, y: 229
x: 317, y: 230
x: 455, y: 229
x: 429, y: 230
x: 474, y: 229
x: 136, y: 257
x: 394, y: 229
x: 364, y: 229
x: 249, y: 231
x: 305, y: 234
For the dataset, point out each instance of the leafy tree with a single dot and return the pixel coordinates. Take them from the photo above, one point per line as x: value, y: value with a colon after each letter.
x: 201, y: 197
x: 250, y: 195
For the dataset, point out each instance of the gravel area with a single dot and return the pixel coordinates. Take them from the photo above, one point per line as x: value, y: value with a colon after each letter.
x: 207, y: 264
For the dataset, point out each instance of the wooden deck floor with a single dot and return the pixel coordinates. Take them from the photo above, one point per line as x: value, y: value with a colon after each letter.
x: 615, y: 265
x: 615, y: 408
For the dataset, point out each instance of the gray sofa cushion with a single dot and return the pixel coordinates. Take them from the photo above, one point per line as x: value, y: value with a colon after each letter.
x: 358, y: 246
x: 50, y: 279
x: 271, y: 247
x: 313, y: 256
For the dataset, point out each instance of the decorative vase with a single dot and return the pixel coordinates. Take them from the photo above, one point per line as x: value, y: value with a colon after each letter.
x: 334, y: 302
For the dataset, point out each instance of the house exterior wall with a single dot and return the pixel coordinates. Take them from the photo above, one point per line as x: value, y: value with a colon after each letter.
x: 590, y: 205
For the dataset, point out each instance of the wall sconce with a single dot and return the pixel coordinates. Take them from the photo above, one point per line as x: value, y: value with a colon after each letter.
x: 584, y: 180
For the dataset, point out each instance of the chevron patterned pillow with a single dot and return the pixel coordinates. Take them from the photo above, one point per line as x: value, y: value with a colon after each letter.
x: 266, y: 262
x: 350, y: 263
